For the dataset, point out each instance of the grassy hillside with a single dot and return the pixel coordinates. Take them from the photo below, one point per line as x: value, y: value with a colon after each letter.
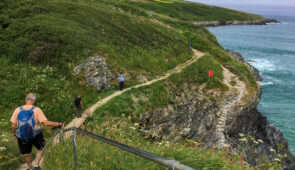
x: 118, y: 120
x: 42, y: 41
x: 184, y: 10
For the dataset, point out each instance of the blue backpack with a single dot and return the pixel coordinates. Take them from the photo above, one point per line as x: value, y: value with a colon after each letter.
x: 26, y: 124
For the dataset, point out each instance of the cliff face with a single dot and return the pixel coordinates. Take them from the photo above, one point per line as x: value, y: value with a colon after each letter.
x: 216, y: 118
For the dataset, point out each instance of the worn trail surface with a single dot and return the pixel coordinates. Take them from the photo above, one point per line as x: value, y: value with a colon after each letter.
x: 77, y: 122
x: 235, y: 95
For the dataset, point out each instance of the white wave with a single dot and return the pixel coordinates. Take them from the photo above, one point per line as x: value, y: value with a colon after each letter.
x: 263, y: 64
x: 266, y: 83
x: 275, y: 23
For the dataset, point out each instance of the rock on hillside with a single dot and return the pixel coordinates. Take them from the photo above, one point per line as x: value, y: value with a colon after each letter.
x: 239, y: 57
x: 96, y: 72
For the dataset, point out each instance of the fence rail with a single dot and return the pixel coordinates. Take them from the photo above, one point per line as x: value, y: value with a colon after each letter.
x: 172, y: 164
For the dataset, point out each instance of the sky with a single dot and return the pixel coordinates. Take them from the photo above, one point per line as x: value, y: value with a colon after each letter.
x: 262, y: 7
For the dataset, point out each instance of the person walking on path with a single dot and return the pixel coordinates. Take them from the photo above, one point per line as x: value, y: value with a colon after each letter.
x: 121, y: 81
x: 26, y: 121
x: 79, y: 106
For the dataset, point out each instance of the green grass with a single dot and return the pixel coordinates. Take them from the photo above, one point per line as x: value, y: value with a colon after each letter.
x: 61, y: 32
x: 103, y: 156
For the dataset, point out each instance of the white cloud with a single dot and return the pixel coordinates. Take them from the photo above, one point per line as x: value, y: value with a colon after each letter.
x: 263, y: 7
x: 251, y: 2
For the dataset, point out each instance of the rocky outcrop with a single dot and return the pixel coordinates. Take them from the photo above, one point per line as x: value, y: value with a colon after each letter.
x: 142, y: 78
x: 223, y: 23
x: 96, y: 72
x: 246, y: 119
x: 240, y: 58
x: 192, y: 118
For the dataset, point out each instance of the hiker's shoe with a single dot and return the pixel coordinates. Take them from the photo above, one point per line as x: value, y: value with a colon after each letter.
x: 37, y: 168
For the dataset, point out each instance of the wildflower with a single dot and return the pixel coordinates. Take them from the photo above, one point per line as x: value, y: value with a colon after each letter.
x: 136, y: 124
x: 256, y: 142
x: 167, y: 143
x: 133, y: 128
x: 241, y: 134
x: 4, y: 140
x: 259, y: 140
x: 243, y: 139
x: 2, y: 148
x: 277, y: 159
x: 272, y: 150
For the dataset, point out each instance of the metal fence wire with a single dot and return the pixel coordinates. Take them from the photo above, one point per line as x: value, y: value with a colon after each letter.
x: 171, y: 164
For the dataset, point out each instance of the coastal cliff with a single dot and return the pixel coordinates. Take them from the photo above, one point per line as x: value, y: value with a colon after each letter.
x: 224, y: 23
x: 220, y: 120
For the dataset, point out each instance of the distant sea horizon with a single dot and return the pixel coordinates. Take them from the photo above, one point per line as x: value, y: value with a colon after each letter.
x: 271, y: 48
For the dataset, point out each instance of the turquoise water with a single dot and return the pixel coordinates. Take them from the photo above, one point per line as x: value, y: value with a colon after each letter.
x: 272, y: 50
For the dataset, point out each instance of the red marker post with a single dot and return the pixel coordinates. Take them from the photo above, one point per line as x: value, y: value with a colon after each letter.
x: 210, y: 73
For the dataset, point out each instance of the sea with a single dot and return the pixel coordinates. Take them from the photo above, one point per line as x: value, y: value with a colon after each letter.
x: 271, y: 49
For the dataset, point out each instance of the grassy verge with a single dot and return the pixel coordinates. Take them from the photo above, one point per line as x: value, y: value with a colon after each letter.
x: 103, y: 156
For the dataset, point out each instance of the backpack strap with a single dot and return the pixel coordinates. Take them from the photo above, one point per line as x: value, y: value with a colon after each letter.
x: 33, y: 107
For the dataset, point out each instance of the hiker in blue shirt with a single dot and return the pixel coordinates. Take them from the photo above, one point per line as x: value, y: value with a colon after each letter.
x: 121, y: 82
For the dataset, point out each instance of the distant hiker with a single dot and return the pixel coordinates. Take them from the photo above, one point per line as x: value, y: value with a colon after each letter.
x: 26, y: 121
x: 121, y: 82
x: 79, y: 106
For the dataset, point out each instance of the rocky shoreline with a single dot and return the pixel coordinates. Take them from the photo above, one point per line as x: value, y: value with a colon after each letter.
x: 241, y: 59
x: 250, y: 121
x: 224, y: 23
